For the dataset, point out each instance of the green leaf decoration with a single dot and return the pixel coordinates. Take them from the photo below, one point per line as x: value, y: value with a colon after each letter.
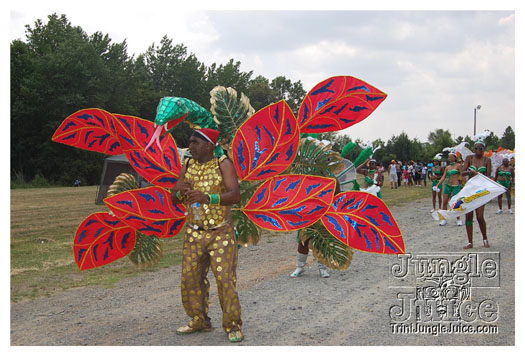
x: 248, y: 232
x: 316, y: 158
x: 326, y: 248
x: 230, y: 111
x: 147, y: 251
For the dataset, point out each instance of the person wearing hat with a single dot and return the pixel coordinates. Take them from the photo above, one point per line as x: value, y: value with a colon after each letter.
x: 505, y: 176
x: 372, y: 175
x: 392, y: 173
x: 208, y: 186
x: 477, y: 164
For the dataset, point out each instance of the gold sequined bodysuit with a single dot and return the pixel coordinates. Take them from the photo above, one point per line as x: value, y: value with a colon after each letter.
x: 209, y: 241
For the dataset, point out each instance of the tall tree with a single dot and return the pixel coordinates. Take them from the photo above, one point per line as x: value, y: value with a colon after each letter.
x: 507, y: 139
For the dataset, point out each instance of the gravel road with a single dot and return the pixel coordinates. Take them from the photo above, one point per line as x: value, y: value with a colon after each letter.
x: 352, y: 307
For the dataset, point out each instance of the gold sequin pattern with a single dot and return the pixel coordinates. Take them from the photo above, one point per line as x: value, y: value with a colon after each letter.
x: 210, y: 249
x: 207, y: 178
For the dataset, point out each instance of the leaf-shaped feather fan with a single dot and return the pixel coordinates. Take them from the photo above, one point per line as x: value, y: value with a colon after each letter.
x: 337, y: 103
x: 230, y: 111
x: 290, y: 202
x: 159, y: 166
x: 101, y: 239
x: 266, y: 144
x: 364, y: 222
x: 149, y: 211
x: 89, y: 129
x: 315, y: 158
x: 326, y: 248
x: 148, y: 249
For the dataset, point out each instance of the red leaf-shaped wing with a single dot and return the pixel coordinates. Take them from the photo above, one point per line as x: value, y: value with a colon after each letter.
x: 337, y: 103
x: 89, y: 129
x: 290, y: 202
x: 364, y: 222
x: 266, y: 144
x: 101, y: 239
x: 149, y: 211
x: 158, y: 166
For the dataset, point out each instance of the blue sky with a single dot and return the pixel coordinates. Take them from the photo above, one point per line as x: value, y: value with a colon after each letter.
x: 435, y: 64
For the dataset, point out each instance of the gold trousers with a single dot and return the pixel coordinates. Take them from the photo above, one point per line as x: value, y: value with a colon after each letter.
x: 218, y: 249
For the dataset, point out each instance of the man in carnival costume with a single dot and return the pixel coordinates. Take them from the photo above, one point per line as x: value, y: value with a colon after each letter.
x: 208, y: 186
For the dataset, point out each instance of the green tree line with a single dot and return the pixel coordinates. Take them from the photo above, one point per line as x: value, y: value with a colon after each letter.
x: 60, y: 69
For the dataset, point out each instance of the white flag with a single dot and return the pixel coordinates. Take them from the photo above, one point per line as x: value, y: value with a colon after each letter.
x: 478, y: 191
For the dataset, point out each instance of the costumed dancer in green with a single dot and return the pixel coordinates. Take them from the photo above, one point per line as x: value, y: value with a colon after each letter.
x: 373, y: 178
x: 208, y: 186
x: 505, y: 177
x: 450, y: 177
x: 477, y: 164
x: 435, y: 176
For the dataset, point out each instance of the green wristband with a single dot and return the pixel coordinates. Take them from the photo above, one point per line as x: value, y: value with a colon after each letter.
x: 178, y: 195
x: 215, y: 199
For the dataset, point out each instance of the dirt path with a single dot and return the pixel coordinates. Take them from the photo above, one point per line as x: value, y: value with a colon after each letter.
x: 349, y: 308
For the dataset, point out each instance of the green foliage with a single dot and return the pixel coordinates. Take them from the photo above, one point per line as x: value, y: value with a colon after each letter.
x: 507, y: 139
x: 229, y: 110
x: 332, y: 252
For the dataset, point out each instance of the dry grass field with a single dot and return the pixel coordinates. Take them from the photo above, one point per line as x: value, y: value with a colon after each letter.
x: 43, y: 224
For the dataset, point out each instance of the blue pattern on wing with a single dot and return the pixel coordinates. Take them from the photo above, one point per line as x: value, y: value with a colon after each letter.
x: 257, y: 154
x: 278, y: 183
x: 265, y: 171
x: 261, y: 196
x: 317, y: 208
x: 143, y: 130
x: 124, y: 240
x: 240, y: 155
x: 306, y: 111
x: 293, y: 185
x: 324, y: 89
x: 377, y: 238
x: 279, y: 202
x: 270, y: 135
x: 363, y: 87
x: 374, y: 221
x: 373, y: 98
x: 176, y: 225
x: 148, y: 228
x: 126, y: 202
x: 156, y: 211
x: 147, y: 196
x: 289, y: 153
x: 81, y: 236
x: 386, y: 218
x: 324, y: 192
x: 320, y: 126
x: 161, y: 197
x: 110, y: 239
x: 266, y: 218
x: 369, y: 206
x: 313, y: 186
x: 358, y: 108
x: 294, y: 212
x: 322, y: 103
x: 337, y: 227
x: 167, y: 180
x: 387, y: 243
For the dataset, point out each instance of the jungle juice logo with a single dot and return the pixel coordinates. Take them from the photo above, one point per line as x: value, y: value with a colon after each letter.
x: 438, y: 290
